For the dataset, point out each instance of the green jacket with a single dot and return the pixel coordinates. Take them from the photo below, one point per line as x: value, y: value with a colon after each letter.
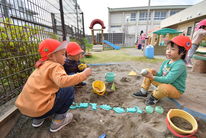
x: 174, y: 74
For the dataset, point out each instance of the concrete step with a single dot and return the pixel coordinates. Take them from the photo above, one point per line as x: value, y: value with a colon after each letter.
x: 97, y: 48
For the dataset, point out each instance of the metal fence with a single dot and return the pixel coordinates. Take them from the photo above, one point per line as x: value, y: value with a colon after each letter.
x: 23, y: 24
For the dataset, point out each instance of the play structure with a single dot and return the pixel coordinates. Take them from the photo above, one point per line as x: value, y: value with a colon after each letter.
x: 159, y: 38
x: 98, y: 44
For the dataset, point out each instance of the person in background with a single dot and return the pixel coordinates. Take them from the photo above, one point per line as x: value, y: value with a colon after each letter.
x: 49, y: 90
x: 171, y: 78
x: 198, y: 36
x: 72, y: 64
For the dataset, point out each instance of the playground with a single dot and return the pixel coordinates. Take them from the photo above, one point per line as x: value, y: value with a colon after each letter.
x: 91, y: 123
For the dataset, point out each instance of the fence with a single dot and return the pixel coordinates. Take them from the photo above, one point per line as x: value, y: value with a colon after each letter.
x: 23, y: 24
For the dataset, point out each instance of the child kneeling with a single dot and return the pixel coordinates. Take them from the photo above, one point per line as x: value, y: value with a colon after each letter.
x: 49, y: 90
x: 171, y: 78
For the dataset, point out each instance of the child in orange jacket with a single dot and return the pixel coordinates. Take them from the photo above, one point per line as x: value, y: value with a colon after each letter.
x: 48, y: 90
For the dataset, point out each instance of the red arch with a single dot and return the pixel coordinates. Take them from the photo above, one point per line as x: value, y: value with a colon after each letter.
x: 97, y: 21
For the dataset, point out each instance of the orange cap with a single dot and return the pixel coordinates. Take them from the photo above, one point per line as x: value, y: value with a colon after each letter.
x: 182, y: 41
x: 73, y: 49
x: 49, y: 46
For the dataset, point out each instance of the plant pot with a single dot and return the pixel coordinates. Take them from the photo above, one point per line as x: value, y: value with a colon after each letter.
x: 88, y: 55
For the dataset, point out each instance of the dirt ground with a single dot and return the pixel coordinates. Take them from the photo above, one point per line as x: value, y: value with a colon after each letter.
x: 88, y: 123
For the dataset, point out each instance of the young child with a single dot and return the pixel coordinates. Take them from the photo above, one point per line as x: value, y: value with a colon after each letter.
x: 72, y: 64
x: 48, y: 90
x: 170, y: 80
x: 198, y: 36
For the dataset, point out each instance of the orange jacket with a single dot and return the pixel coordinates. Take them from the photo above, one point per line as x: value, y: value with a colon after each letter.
x: 38, y: 94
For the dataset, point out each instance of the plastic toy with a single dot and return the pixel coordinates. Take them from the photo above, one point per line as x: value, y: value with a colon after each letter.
x: 132, y: 73
x: 118, y: 110
x: 149, y: 109
x: 182, y: 114
x: 105, y: 107
x: 99, y: 87
x: 83, y: 105
x: 159, y: 109
x: 94, y: 106
x: 132, y: 110
x: 109, y: 76
x: 113, y: 87
x: 138, y: 110
x: 144, y: 72
x: 82, y: 66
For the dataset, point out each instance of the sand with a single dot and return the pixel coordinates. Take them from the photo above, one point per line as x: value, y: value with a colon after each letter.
x: 88, y: 123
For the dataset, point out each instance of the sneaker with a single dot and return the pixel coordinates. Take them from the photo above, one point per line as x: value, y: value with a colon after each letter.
x: 151, y: 101
x: 139, y: 94
x: 37, y: 122
x: 56, y: 125
x: 189, y: 65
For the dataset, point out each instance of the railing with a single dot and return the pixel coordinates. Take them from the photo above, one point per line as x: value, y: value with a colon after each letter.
x: 23, y: 24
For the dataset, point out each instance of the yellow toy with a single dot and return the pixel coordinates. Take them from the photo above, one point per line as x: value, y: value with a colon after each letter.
x: 82, y: 66
x: 184, y: 115
x: 99, y: 87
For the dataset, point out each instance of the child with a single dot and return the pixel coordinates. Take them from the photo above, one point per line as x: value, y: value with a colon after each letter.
x: 198, y: 35
x: 170, y: 80
x: 48, y: 90
x: 72, y: 64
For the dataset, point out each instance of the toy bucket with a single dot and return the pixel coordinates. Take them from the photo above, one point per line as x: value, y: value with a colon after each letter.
x: 99, y: 87
x: 182, y: 114
x: 109, y: 76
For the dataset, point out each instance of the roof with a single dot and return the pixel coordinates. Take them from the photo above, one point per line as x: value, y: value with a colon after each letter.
x: 164, y: 7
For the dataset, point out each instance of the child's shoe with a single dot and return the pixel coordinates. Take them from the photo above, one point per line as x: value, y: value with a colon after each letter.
x: 37, y: 122
x: 189, y: 65
x: 56, y: 125
x: 140, y: 94
x: 152, y: 100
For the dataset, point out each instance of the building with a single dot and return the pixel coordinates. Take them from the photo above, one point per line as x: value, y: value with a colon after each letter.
x: 134, y: 19
x: 187, y: 19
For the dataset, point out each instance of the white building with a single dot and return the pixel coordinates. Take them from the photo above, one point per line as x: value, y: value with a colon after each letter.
x: 134, y: 19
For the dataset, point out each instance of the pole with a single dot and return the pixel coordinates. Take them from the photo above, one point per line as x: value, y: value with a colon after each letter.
x: 5, y: 8
x: 62, y: 19
x: 83, y: 24
x: 148, y: 13
x: 77, y: 18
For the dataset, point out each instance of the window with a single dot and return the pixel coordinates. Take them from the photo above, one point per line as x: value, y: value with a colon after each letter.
x: 160, y: 15
x: 173, y: 12
x: 115, y: 26
x: 189, y: 31
x: 143, y: 15
x: 133, y: 17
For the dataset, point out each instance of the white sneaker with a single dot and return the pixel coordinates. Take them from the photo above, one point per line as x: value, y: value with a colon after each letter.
x: 189, y: 65
x: 56, y: 125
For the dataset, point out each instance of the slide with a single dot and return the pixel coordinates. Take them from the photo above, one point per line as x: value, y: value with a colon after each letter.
x: 111, y: 44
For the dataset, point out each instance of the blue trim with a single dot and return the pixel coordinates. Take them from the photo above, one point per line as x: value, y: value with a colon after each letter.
x: 103, y: 64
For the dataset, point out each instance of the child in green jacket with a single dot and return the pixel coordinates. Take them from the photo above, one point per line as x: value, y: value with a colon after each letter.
x: 170, y: 80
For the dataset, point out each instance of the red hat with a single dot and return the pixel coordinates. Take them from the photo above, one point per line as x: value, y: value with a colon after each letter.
x: 73, y: 49
x: 201, y: 23
x: 49, y: 46
x: 182, y: 41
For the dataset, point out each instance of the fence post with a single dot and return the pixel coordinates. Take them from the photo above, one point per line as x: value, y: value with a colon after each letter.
x: 5, y: 8
x: 54, y: 23
x: 62, y: 19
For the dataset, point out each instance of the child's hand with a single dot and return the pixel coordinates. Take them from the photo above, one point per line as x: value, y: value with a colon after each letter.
x: 88, y: 71
x: 154, y: 72
x: 149, y: 75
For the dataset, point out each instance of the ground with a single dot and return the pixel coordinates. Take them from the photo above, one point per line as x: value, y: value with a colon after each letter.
x: 88, y: 123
